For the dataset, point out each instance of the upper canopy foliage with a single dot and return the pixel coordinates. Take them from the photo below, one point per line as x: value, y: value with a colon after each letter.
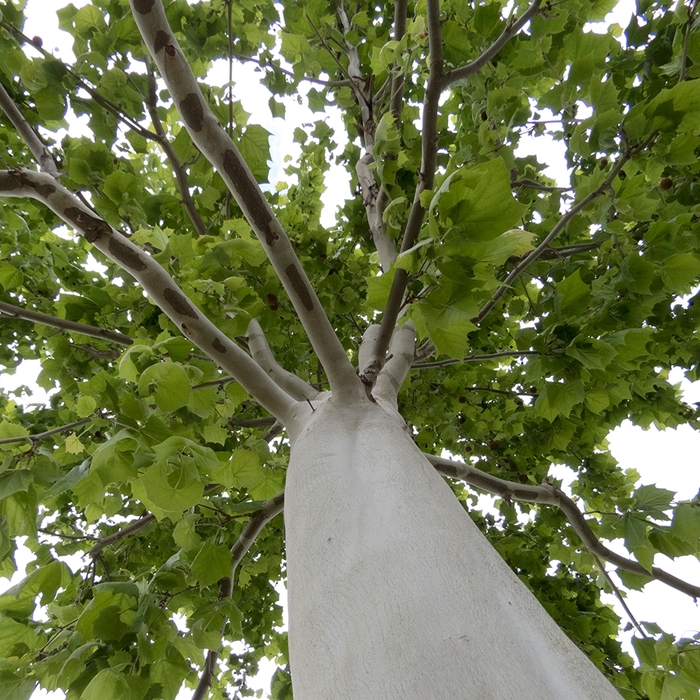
x: 558, y: 347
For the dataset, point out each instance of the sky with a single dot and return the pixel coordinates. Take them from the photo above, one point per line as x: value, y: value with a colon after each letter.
x: 669, y: 458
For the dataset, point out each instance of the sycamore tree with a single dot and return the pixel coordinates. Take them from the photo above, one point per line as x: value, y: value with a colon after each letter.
x: 463, y: 325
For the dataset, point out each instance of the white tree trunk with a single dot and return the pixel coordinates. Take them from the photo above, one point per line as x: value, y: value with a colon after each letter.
x: 394, y: 592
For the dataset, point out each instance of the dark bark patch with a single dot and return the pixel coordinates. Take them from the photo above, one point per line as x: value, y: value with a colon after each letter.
x: 299, y: 286
x: 11, y: 181
x: 162, y: 39
x: 143, y: 7
x: 180, y: 303
x: 192, y: 111
x: 45, y: 190
x: 249, y: 193
x: 218, y: 346
x: 92, y: 227
x: 126, y: 255
x: 522, y: 495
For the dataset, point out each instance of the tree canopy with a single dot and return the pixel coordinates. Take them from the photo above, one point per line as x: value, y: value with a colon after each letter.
x: 545, y: 315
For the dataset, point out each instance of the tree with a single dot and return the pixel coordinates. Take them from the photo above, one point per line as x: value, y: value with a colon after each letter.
x: 461, y: 302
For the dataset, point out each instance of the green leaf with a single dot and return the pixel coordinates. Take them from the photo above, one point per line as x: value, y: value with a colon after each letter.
x: 557, y: 399
x: 85, y: 406
x: 14, y: 687
x: 108, y: 683
x: 686, y: 524
x: 479, y: 204
x: 255, y: 149
x: 378, y: 289
x: 680, y: 270
x: 19, y: 600
x: 172, y: 385
x: 13, y: 481
x: 171, y: 489
x: 572, y: 294
x: 213, y: 562
x: 446, y: 314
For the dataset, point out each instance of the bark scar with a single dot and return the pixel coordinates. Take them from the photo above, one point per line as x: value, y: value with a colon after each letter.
x: 299, y: 286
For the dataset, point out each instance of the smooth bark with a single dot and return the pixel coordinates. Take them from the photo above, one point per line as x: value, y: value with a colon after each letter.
x: 393, y: 591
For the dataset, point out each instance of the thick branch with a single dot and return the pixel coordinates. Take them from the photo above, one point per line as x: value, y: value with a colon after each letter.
x: 295, y: 386
x: 550, y: 495
x: 556, y: 230
x: 175, y: 164
x: 512, y: 28
x: 426, y: 177
x: 250, y: 532
x: 12, y: 311
x: 46, y: 433
x: 155, y: 281
x: 212, y: 140
x: 397, y: 365
x: 29, y: 136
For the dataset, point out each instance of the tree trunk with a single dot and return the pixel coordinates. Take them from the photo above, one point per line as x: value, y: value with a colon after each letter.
x: 394, y: 592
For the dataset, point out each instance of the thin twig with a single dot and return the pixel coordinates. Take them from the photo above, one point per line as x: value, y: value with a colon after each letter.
x: 534, y: 185
x: 46, y: 433
x: 618, y: 594
x: 177, y: 167
x: 12, y: 311
x: 474, y: 358
x: 397, y: 76
x: 512, y: 28
x: 686, y: 41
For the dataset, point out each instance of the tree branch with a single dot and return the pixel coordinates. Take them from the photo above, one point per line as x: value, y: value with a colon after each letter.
x: 130, y: 529
x: 550, y: 495
x: 46, y: 433
x: 556, y: 230
x: 209, y: 136
x: 474, y: 358
x: 426, y: 177
x: 12, y: 311
x: 27, y: 133
x: 374, y: 197
x: 155, y: 281
x: 686, y: 41
x: 295, y: 386
x: 534, y: 185
x: 511, y: 29
x: 175, y: 164
x: 284, y: 71
x: 267, y: 512
x: 397, y: 78
x: 397, y: 365
x: 105, y: 103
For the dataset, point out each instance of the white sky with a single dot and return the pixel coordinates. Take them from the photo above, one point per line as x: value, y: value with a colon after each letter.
x: 667, y: 458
